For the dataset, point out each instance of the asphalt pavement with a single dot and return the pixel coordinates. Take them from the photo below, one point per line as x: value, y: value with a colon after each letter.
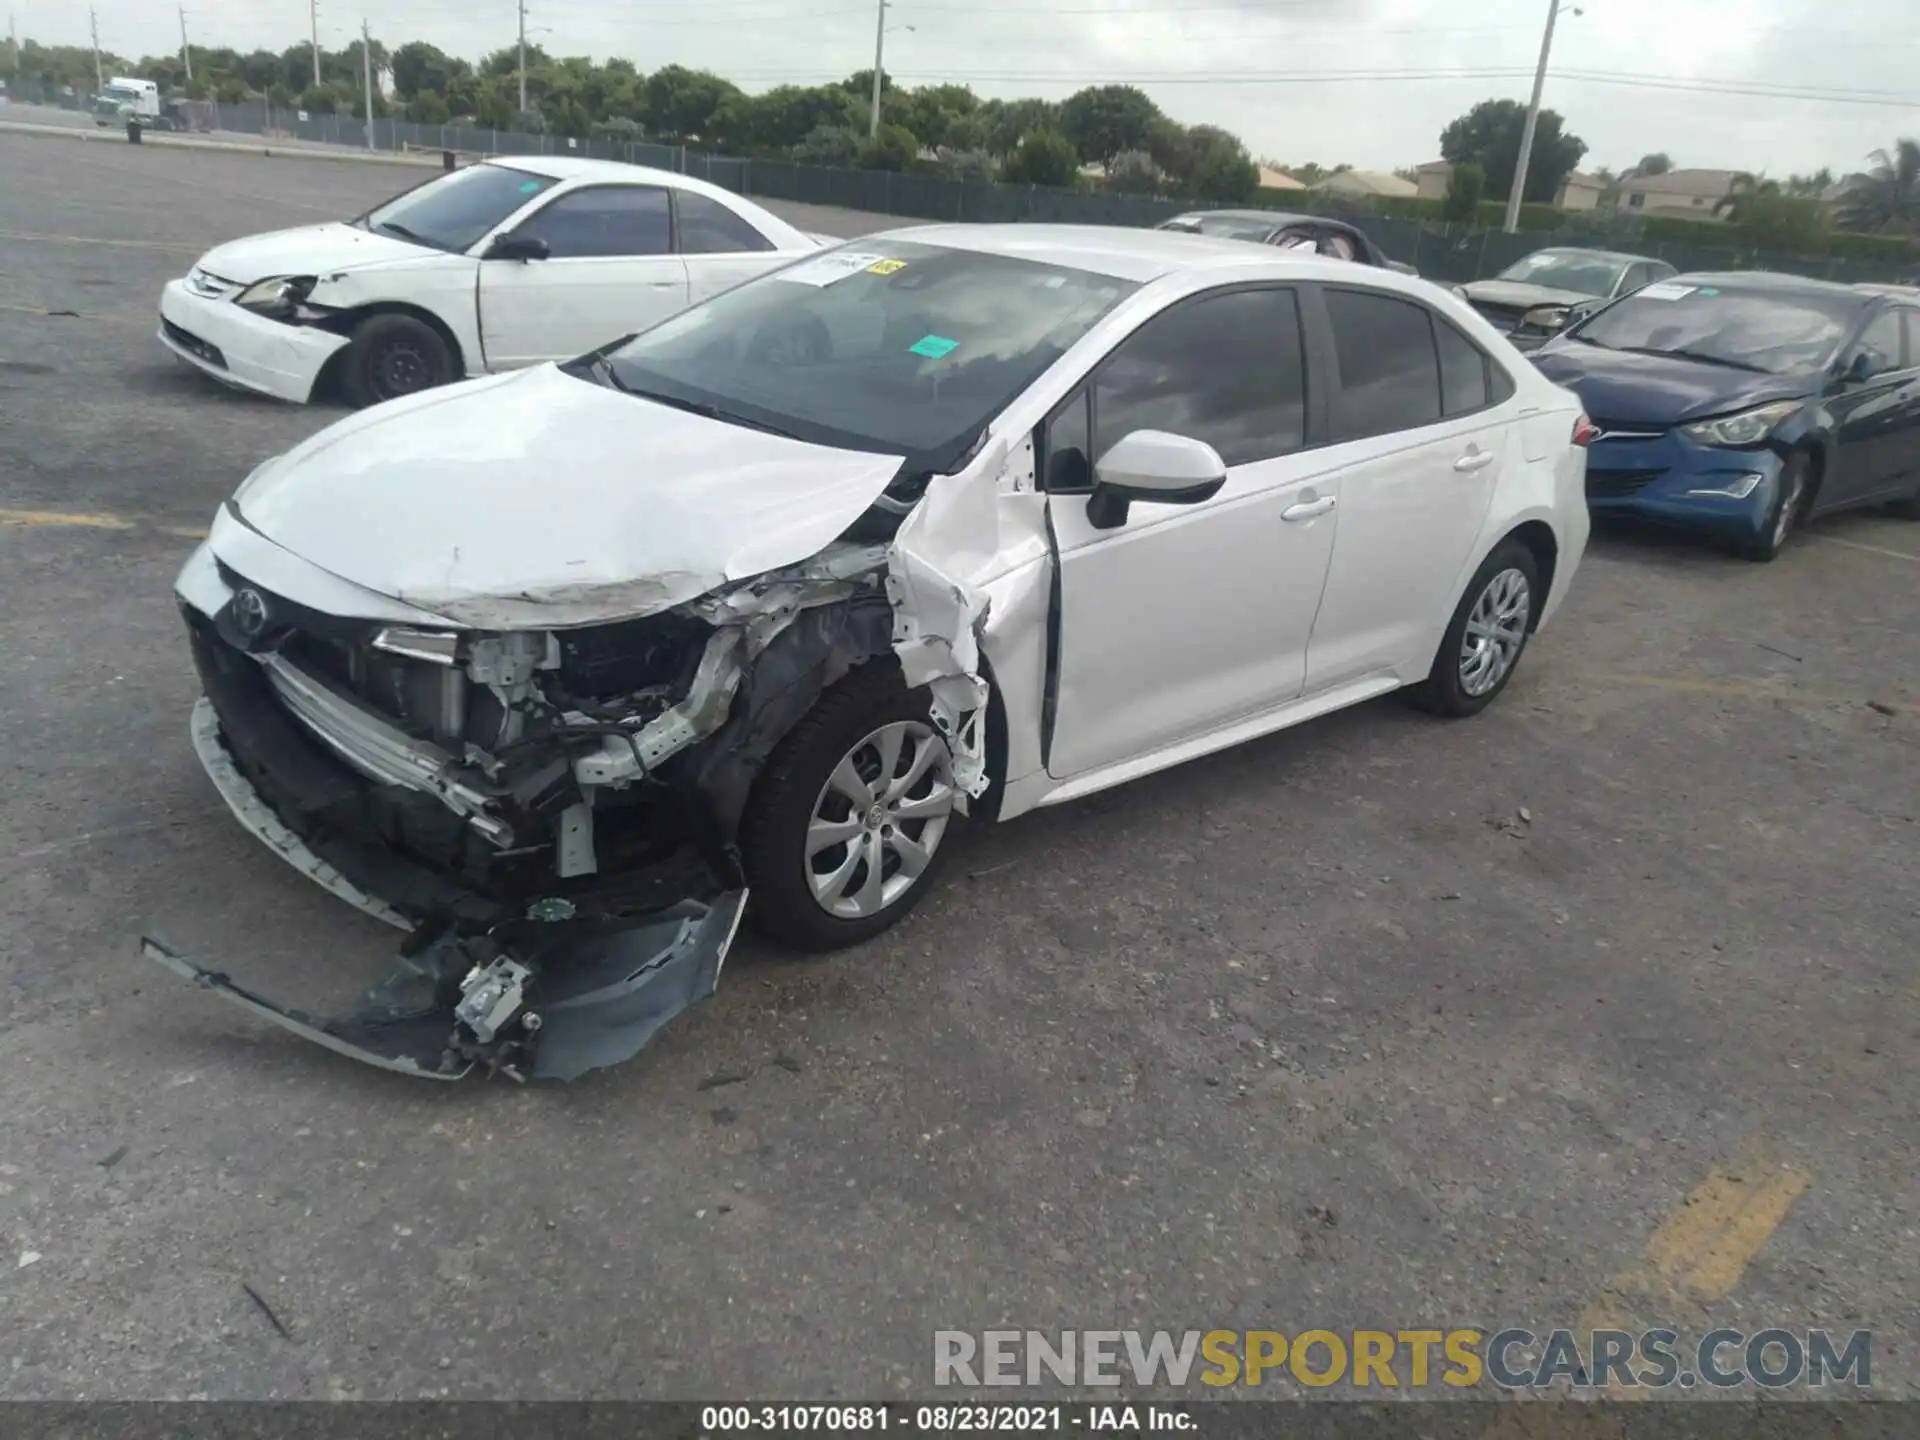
x: 1603, y: 1004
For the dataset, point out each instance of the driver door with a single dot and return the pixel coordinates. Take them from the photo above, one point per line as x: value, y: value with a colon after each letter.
x: 1186, y: 618
x: 610, y: 271
x: 1875, y: 416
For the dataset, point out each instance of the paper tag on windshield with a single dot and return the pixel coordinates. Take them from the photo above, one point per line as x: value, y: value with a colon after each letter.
x: 825, y: 269
x: 1664, y: 290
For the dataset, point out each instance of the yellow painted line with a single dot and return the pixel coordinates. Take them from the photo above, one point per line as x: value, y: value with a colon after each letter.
x: 1869, y: 549
x: 73, y: 519
x: 1694, y: 1256
x: 50, y: 518
x: 98, y: 240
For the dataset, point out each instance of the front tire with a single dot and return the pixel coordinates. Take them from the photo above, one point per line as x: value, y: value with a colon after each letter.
x: 1794, y: 494
x: 393, y: 355
x: 1489, y: 630
x: 854, y: 816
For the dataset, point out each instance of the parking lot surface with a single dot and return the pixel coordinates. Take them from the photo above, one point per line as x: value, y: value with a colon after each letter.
x: 1379, y: 1023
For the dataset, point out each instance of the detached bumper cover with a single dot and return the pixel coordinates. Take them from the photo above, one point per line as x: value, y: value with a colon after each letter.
x: 241, y: 349
x: 592, y: 996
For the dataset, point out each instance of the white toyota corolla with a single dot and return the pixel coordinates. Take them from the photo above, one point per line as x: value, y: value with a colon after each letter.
x: 497, y: 266
x: 946, y: 524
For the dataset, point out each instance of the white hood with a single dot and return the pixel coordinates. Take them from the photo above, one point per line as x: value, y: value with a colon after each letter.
x: 306, y: 250
x: 536, y: 499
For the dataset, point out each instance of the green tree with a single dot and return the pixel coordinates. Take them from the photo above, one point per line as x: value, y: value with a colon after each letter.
x: 1008, y: 122
x: 1888, y: 196
x: 1104, y: 120
x: 428, y: 108
x: 1044, y: 157
x: 1657, y: 163
x: 1465, y: 189
x: 829, y: 145
x: 894, y: 148
x: 1768, y: 218
x: 1221, y: 170
x: 681, y: 104
x: 1489, y: 136
x: 422, y: 68
x: 230, y: 90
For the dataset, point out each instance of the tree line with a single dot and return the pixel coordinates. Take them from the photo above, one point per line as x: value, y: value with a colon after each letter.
x: 1117, y: 131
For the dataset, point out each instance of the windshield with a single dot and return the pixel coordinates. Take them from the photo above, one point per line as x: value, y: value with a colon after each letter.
x: 1780, y: 334
x: 880, y: 345
x: 1559, y: 270
x: 454, y: 211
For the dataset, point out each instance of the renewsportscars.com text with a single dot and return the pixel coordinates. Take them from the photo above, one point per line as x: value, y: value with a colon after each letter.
x: 1512, y: 1359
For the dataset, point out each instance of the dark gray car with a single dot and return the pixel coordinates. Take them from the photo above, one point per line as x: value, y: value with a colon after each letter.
x: 1320, y: 234
x: 1559, y: 278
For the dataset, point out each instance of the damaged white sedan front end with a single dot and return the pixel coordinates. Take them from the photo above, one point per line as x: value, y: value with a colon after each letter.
x: 552, y: 812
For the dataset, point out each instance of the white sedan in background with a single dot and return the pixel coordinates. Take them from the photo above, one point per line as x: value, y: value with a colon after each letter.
x: 496, y: 266
x: 951, y: 522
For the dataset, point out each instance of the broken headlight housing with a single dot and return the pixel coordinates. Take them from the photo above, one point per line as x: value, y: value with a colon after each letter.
x: 1749, y: 427
x: 277, y: 298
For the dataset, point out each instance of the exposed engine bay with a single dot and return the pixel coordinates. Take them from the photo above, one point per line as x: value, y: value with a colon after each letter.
x: 550, y: 814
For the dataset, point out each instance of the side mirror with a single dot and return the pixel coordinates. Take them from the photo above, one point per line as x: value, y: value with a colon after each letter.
x: 517, y: 247
x: 1152, y: 466
x: 1866, y: 364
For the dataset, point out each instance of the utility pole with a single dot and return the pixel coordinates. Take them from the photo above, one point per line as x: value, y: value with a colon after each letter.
x: 313, y: 22
x: 93, y: 24
x: 523, y: 57
x: 1519, y: 187
x: 879, y: 50
x: 366, y: 61
x: 186, y: 51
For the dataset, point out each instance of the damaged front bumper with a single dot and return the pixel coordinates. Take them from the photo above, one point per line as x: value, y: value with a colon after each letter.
x: 553, y: 1002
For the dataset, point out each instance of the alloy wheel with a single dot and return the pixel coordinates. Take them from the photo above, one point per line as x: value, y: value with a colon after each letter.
x: 879, y: 819
x: 1496, y: 631
x: 1789, y: 512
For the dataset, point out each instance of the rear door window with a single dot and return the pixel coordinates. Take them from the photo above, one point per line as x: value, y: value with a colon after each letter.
x: 1388, y: 364
x: 1463, y: 371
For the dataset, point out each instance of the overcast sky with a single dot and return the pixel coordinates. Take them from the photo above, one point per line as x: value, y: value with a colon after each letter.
x: 1248, y: 66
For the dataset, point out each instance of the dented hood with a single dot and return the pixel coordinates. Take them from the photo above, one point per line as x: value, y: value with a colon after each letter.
x: 537, y: 499
x: 307, y: 250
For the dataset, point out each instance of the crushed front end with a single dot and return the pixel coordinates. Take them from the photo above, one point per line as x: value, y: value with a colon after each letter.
x: 549, y: 814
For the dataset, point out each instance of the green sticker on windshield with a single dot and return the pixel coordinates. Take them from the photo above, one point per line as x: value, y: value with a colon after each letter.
x: 1708, y: 290
x: 529, y: 187
x: 934, y: 347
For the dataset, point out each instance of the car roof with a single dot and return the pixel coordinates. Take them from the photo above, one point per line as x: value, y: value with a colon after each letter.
x: 1124, y: 254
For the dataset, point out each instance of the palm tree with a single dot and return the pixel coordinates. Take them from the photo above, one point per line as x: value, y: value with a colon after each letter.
x: 1888, y: 196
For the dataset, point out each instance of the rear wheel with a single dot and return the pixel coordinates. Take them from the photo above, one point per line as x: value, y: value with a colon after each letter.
x: 393, y: 355
x: 1791, y: 496
x: 1481, y: 648
x: 854, y: 816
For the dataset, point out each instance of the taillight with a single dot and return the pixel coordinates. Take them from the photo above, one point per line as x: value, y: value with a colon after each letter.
x: 1585, y: 432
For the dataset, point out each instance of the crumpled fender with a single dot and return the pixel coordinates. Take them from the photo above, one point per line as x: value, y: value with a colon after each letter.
x: 937, y: 567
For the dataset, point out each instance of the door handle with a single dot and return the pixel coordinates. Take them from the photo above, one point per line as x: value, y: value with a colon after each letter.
x: 1473, y: 460
x: 1308, y: 509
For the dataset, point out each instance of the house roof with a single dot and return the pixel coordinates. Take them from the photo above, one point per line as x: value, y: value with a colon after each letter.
x: 1368, y: 182
x: 1710, y: 183
x: 1271, y: 179
x: 1578, y: 180
x: 1433, y: 166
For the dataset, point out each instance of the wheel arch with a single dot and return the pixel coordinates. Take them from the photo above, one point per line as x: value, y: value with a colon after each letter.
x: 1538, y: 537
x: 345, y: 322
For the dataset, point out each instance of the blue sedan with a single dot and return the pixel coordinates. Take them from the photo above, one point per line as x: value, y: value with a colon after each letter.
x: 1742, y: 405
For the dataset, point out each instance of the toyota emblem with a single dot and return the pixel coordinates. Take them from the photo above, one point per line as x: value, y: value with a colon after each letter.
x: 249, y: 612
